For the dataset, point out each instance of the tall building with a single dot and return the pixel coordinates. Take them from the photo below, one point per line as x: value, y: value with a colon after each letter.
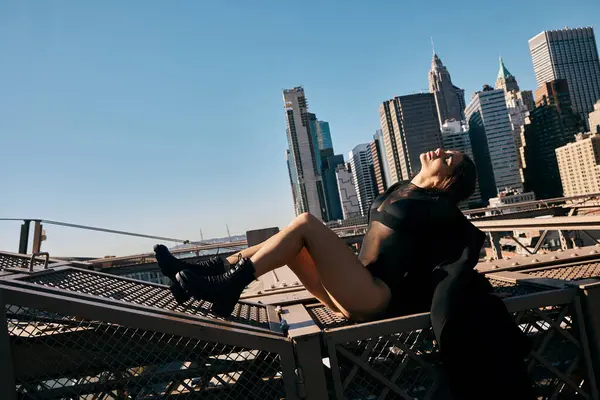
x: 309, y: 194
x: 347, y: 191
x: 329, y: 165
x: 518, y: 103
x: 449, y: 99
x: 410, y: 126
x: 321, y: 132
x: 379, y: 162
x: 493, y: 143
x: 579, y: 165
x: 361, y: 163
x: 569, y: 54
x: 594, y: 118
x: 455, y: 136
x: 550, y: 125
x: 505, y: 80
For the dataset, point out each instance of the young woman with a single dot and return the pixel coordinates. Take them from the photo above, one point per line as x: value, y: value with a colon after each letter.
x: 413, y: 227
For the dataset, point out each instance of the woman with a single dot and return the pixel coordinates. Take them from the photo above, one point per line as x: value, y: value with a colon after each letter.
x: 413, y: 228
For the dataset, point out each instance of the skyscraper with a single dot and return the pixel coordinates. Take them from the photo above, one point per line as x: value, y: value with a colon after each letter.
x: 330, y: 162
x: 518, y: 102
x: 309, y: 195
x: 550, y: 125
x: 361, y: 163
x: 456, y: 137
x: 449, y: 99
x: 505, y: 80
x: 569, y: 54
x: 410, y: 126
x: 493, y: 143
x: 321, y: 132
x: 379, y: 164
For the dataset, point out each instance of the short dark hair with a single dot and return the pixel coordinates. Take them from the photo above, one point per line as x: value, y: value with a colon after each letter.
x: 463, y: 180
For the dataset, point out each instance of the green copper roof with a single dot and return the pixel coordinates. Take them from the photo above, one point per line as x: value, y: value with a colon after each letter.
x: 503, y: 72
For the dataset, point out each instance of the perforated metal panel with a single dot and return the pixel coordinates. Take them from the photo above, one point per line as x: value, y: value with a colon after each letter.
x: 569, y: 273
x: 19, y: 261
x: 138, y: 292
x: 510, y: 289
x: 63, y: 357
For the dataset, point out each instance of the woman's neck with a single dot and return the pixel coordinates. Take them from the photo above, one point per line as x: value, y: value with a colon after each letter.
x: 424, y: 182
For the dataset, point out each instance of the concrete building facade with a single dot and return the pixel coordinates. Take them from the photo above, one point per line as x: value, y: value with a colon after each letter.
x: 569, y: 54
x: 410, y: 126
x: 579, y: 165
x: 493, y: 143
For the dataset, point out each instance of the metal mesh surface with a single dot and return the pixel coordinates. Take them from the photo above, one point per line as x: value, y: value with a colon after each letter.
x: 141, y: 293
x: 327, y: 319
x: 58, y: 357
x: 16, y: 261
x: 410, y: 364
x: 570, y: 273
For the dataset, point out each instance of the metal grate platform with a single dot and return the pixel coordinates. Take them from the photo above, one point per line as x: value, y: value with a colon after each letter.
x: 569, y: 273
x: 141, y: 293
x: 58, y: 356
x: 327, y: 319
x: 8, y: 260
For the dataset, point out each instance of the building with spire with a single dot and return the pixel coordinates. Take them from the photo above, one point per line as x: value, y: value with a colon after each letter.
x: 505, y: 79
x: 449, y: 99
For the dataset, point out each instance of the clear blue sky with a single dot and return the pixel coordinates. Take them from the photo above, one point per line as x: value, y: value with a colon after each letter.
x: 166, y: 117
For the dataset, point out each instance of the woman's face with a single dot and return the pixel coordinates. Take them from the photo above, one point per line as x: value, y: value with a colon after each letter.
x: 440, y: 163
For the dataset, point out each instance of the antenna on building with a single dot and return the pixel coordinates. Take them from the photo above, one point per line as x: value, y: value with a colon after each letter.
x: 432, y: 45
x: 201, y: 235
x: 228, y: 233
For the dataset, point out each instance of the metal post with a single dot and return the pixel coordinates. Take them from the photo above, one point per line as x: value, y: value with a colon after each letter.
x: 495, y: 245
x: 310, y: 363
x: 565, y: 239
x: 590, y: 297
x: 7, y: 377
x: 23, y: 242
x: 37, y: 237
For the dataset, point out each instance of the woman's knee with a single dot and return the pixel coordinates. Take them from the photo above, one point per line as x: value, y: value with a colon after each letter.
x: 305, y: 219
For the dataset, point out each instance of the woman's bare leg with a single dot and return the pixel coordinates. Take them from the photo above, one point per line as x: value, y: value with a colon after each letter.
x: 247, y: 253
x: 349, y: 284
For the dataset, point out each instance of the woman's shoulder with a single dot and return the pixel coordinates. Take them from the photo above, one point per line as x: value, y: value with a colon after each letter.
x: 424, y: 208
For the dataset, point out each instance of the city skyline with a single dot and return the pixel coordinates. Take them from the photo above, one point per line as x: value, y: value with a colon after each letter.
x: 123, y: 121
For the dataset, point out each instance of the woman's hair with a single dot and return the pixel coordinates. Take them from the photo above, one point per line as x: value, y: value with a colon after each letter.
x: 463, y: 180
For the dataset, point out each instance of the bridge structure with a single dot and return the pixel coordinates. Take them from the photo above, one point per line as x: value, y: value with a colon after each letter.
x: 70, y: 330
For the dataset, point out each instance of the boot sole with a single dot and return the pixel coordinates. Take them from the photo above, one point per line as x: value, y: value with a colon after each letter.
x: 180, y: 295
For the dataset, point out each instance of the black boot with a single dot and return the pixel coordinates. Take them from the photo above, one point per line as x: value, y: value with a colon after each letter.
x: 222, y: 290
x: 170, y: 265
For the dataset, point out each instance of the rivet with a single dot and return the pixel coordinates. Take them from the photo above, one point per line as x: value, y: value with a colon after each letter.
x: 574, y: 254
x: 535, y: 260
x: 495, y: 267
x: 515, y: 264
x: 593, y: 252
x: 554, y: 258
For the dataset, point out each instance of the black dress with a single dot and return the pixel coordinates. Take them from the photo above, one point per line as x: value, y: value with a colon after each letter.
x: 411, y: 231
